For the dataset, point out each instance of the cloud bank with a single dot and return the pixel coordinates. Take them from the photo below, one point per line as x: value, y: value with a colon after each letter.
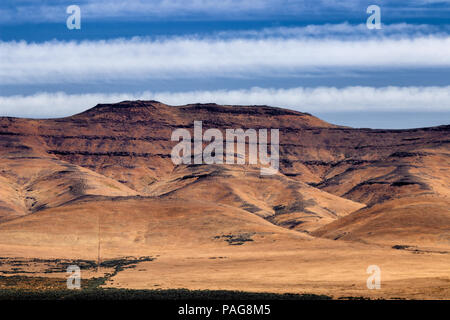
x: 313, y: 100
x: 342, y: 31
x: 53, y: 10
x: 81, y: 62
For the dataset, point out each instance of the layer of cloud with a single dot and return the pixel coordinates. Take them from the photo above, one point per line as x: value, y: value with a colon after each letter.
x: 80, y: 62
x: 341, y: 31
x: 313, y: 100
x: 54, y: 10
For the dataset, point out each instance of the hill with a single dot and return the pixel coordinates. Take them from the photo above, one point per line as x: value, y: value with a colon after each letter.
x: 342, y: 198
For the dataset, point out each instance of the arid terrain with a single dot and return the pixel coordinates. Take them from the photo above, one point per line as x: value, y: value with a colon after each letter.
x: 103, y: 181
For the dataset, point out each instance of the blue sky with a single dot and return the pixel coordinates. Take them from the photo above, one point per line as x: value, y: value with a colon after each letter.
x: 312, y: 56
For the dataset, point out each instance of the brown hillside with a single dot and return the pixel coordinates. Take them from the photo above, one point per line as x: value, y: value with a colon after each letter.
x: 103, y: 181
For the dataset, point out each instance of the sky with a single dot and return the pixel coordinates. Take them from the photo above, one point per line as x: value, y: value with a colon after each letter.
x: 312, y: 56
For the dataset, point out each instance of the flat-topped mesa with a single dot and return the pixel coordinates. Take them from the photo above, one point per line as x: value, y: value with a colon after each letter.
x: 136, y: 135
x: 253, y: 116
x: 126, y: 104
x: 212, y: 114
x: 243, y: 109
x: 130, y: 142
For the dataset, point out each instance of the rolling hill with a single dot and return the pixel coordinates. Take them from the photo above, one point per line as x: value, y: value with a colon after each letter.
x: 103, y: 180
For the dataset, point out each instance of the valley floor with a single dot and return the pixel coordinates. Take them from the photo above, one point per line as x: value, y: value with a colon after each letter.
x: 317, y: 266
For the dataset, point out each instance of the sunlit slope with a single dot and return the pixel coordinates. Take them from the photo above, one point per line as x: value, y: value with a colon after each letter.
x: 31, y: 184
x: 139, y: 226
x: 277, y: 198
x: 327, y: 173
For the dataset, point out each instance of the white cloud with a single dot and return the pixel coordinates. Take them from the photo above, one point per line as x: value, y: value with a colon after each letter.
x: 56, y: 62
x: 343, y: 31
x: 39, y: 11
x: 101, y: 9
x: 313, y: 100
